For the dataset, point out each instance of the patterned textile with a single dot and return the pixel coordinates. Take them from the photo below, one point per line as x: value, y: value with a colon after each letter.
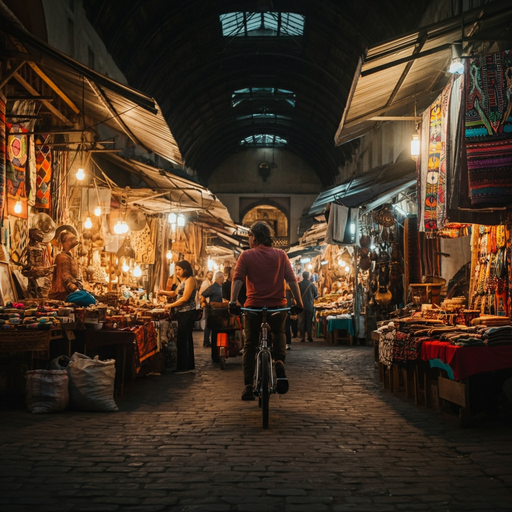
x: 454, y: 230
x: 17, y: 154
x: 44, y: 171
x: 19, y: 239
x: 386, y: 343
x: 146, y: 342
x: 488, y: 129
x: 434, y: 177
x: 2, y: 155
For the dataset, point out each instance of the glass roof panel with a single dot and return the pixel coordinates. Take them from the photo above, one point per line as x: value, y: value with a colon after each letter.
x: 266, y: 24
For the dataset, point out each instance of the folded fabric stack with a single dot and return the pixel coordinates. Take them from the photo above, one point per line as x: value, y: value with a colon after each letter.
x: 491, y: 320
x: 498, y: 335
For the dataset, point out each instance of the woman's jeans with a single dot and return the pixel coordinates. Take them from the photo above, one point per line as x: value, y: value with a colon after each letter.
x: 184, y: 340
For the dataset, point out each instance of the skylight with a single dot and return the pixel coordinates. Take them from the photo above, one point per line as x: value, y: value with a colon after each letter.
x: 263, y: 139
x: 266, y: 24
x: 266, y: 93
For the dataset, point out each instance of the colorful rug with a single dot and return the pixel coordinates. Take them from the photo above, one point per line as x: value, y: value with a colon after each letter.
x: 2, y: 156
x: 17, y: 155
x: 146, y: 342
x: 43, y: 171
x: 488, y: 129
x: 434, y: 176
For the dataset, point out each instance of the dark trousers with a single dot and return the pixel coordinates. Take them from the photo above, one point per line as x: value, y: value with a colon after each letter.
x: 306, y: 324
x: 184, y: 340
x: 207, y: 332
x: 215, y: 349
x: 288, y: 330
x: 252, y: 325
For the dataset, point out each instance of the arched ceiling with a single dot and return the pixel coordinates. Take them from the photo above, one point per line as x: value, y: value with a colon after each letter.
x: 176, y: 52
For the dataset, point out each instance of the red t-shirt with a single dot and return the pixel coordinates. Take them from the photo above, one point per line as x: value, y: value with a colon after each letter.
x: 266, y: 270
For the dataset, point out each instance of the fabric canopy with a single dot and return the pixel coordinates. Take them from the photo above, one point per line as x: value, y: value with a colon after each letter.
x: 90, y: 93
x: 386, y: 181
x: 158, y: 191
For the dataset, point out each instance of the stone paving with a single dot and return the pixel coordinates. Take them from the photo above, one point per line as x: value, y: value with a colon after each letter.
x: 336, y: 442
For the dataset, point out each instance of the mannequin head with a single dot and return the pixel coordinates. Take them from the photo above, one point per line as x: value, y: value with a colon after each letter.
x: 68, y: 240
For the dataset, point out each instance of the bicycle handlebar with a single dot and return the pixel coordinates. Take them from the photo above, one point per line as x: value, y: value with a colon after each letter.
x: 260, y: 310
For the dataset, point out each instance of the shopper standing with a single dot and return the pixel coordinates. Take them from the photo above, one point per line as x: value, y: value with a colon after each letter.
x: 308, y: 293
x: 185, y: 305
x: 214, y: 293
x: 208, y: 281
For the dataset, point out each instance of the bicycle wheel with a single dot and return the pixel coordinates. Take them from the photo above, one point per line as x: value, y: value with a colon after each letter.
x: 265, y: 387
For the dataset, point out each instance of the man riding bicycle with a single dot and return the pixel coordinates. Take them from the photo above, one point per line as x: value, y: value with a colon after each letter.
x: 264, y: 269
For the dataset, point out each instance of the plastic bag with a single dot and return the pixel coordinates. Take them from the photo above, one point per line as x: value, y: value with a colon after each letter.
x: 59, y: 363
x: 91, y: 383
x: 46, y: 391
x: 81, y: 298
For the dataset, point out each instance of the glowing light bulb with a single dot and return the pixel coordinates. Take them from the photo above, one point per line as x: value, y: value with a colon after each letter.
x: 169, y: 254
x: 125, y: 267
x: 181, y: 220
x: 80, y: 175
x: 118, y: 229
x: 137, y: 272
x: 415, y: 146
x: 347, y: 268
x: 172, y: 218
x: 17, y: 207
x: 97, y: 211
x: 88, y: 223
x: 310, y: 266
x: 125, y: 227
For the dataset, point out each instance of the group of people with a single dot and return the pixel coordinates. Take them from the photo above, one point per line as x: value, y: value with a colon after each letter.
x: 258, y: 280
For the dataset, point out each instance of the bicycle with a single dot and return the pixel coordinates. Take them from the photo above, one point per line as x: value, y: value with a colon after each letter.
x: 265, y: 381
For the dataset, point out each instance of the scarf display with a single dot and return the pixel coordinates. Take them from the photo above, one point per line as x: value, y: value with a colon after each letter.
x: 2, y: 155
x: 488, y: 129
x: 491, y: 274
x: 43, y: 171
x: 433, y: 166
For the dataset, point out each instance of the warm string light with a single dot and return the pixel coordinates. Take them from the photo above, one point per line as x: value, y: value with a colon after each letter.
x: 80, y: 175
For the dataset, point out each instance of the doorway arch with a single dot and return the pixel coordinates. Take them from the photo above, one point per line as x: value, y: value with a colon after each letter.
x: 272, y: 215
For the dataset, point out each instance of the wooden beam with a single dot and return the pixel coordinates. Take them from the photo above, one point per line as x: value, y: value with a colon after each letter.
x: 46, y: 78
x: 46, y: 103
x: 11, y: 74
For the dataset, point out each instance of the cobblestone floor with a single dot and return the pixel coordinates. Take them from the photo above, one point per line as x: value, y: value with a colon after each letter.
x: 336, y: 442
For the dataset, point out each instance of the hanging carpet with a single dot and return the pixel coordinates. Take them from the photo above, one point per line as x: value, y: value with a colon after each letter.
x: 43, y: 171
x: 488, y: 129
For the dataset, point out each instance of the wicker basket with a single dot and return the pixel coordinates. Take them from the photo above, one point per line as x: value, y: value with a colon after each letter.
x: 219, y: 319
x: 25, y: 341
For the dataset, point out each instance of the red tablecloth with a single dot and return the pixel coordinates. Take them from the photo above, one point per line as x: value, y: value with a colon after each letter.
x: 466, y: 361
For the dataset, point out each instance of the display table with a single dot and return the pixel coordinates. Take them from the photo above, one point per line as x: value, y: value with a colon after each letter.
x: 12, y: 341
x: 340, y: 324
x: 460, y: 363
x: 466, y: 361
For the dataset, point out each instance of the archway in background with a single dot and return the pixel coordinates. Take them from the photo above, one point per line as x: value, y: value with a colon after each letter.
x: 273, y: 216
